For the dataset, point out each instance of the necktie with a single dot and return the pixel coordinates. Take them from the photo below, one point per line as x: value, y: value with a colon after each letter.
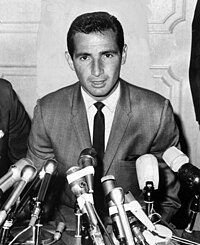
x: 98, y: 145
x: 99, y: 131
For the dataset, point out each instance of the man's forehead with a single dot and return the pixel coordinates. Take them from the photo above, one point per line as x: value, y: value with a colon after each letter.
x: 97, y: 39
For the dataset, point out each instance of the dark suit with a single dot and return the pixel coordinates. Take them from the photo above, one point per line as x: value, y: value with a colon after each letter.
x: 143, y: 123
x: 14, y: 127
x: 194, y: 69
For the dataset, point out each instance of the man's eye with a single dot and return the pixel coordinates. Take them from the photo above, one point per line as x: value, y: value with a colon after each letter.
x: 85, y: 57
x: 108, y: 55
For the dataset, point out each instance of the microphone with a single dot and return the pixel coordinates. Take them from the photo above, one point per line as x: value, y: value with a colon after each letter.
x: 77, y: 182
x: 133, y: 205
x: 49, y: 168
x: 13, y: 174
x: 27, y: 174
x: 108, y: 183
x: 189, y: 175
x: 59, y: 230
x: 179, y: 162
x: 117, y: 196
x: 148, y: 178
x: 79, y: 188
x: 87, y: 159
x: 194, y: 209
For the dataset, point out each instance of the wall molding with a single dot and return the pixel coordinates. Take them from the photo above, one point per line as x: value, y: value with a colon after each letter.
x: 167, y: 23
x: 168, y: 84
x: 19, y: 27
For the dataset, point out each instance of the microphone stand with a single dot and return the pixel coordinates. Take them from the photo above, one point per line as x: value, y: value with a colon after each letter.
x: 194, y: 209
x: 148, y: 197
x: 35, y: 235
x: 78, y: 214
x: 5, y: 230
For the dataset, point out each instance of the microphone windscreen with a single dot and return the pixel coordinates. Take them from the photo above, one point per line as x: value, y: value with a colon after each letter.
x: 147, y: 170
x: 77, y: 181
x: 108, y: 183
x: 87, y: 158
x: 175, y: 158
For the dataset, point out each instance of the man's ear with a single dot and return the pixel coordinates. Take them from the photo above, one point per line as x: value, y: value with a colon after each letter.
x: 124, y: 54
x: 69, y: 60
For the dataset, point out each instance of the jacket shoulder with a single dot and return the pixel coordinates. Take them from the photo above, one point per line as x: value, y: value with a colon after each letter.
x: 145, y: 95
x: 5, y: 86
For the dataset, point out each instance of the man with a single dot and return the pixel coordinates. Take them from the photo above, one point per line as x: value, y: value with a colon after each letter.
x: 15, y: 125
x: 137, y: 121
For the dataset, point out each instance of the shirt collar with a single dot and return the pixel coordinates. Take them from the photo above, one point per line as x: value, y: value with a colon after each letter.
x: 109, y: 102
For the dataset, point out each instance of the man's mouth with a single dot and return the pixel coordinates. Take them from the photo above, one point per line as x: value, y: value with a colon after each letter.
x: 98, y: 83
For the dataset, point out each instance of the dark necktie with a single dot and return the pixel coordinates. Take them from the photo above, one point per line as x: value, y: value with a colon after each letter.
x: 98, y: 145
x: 99, y: 131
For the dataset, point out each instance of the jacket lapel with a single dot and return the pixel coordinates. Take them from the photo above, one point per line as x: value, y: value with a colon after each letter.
x: 79, y: 119
x: 120, y: 123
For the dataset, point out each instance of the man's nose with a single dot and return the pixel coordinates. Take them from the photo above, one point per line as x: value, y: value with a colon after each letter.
x: 97, y: 68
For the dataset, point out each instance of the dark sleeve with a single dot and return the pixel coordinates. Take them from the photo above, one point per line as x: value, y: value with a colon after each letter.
x: 19, y: 127
x: 167, y: 194
x: 194, y: 69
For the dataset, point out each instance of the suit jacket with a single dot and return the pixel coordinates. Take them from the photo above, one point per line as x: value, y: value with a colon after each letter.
x: 143, y: 123
x: 194, y: 69
x: 15, y: 126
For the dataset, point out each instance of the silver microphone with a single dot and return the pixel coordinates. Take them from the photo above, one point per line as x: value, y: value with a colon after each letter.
x: 77, y: 182
x: 108, y: 184
x: 13, y: 174
x: 28, y: 173
x: 79, y: 188
x: 118, y: 198
x: 87, y: 159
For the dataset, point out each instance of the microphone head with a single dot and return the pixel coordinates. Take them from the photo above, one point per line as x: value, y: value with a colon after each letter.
x: 50, y: 166
x: 174, y: 158
x: 18, y: 167
x: 117, y: 196
x: 28, y: 173
x: 78, y: 185
x: 147, y: 170
x: 108, y: 183
x: 87, y: 158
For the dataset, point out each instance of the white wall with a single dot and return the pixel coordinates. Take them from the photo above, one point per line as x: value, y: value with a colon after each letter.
x: 53, y: 70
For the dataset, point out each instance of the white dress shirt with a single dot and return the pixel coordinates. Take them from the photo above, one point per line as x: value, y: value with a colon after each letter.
x: 108, y: 111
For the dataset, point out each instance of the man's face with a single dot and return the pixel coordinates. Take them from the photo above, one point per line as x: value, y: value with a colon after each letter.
x: 97, y: 62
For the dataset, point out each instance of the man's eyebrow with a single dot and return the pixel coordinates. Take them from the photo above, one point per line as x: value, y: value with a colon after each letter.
x: 81, y: 54
x: 111, y: 51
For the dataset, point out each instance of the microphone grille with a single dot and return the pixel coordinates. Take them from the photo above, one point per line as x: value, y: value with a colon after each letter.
x: 147, y: 170
x: 175, y: 158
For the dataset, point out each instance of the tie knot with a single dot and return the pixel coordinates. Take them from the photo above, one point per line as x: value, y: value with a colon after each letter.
x: 99, y: 105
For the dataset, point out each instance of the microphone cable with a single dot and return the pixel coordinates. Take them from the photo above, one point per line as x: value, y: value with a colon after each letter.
x: 103, y: 227
x: 19, y: 234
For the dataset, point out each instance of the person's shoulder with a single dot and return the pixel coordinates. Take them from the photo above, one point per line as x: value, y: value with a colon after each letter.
x: 5, y: 85
x: 6, y: 90
x: 144, y: 94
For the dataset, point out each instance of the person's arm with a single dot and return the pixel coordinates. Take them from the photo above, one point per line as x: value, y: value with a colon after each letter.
x: 167, y: 136
x: 39, y: 144
x: 19, y: 128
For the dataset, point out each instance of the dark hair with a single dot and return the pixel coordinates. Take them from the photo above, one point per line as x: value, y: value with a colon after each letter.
x: 95, y: 22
